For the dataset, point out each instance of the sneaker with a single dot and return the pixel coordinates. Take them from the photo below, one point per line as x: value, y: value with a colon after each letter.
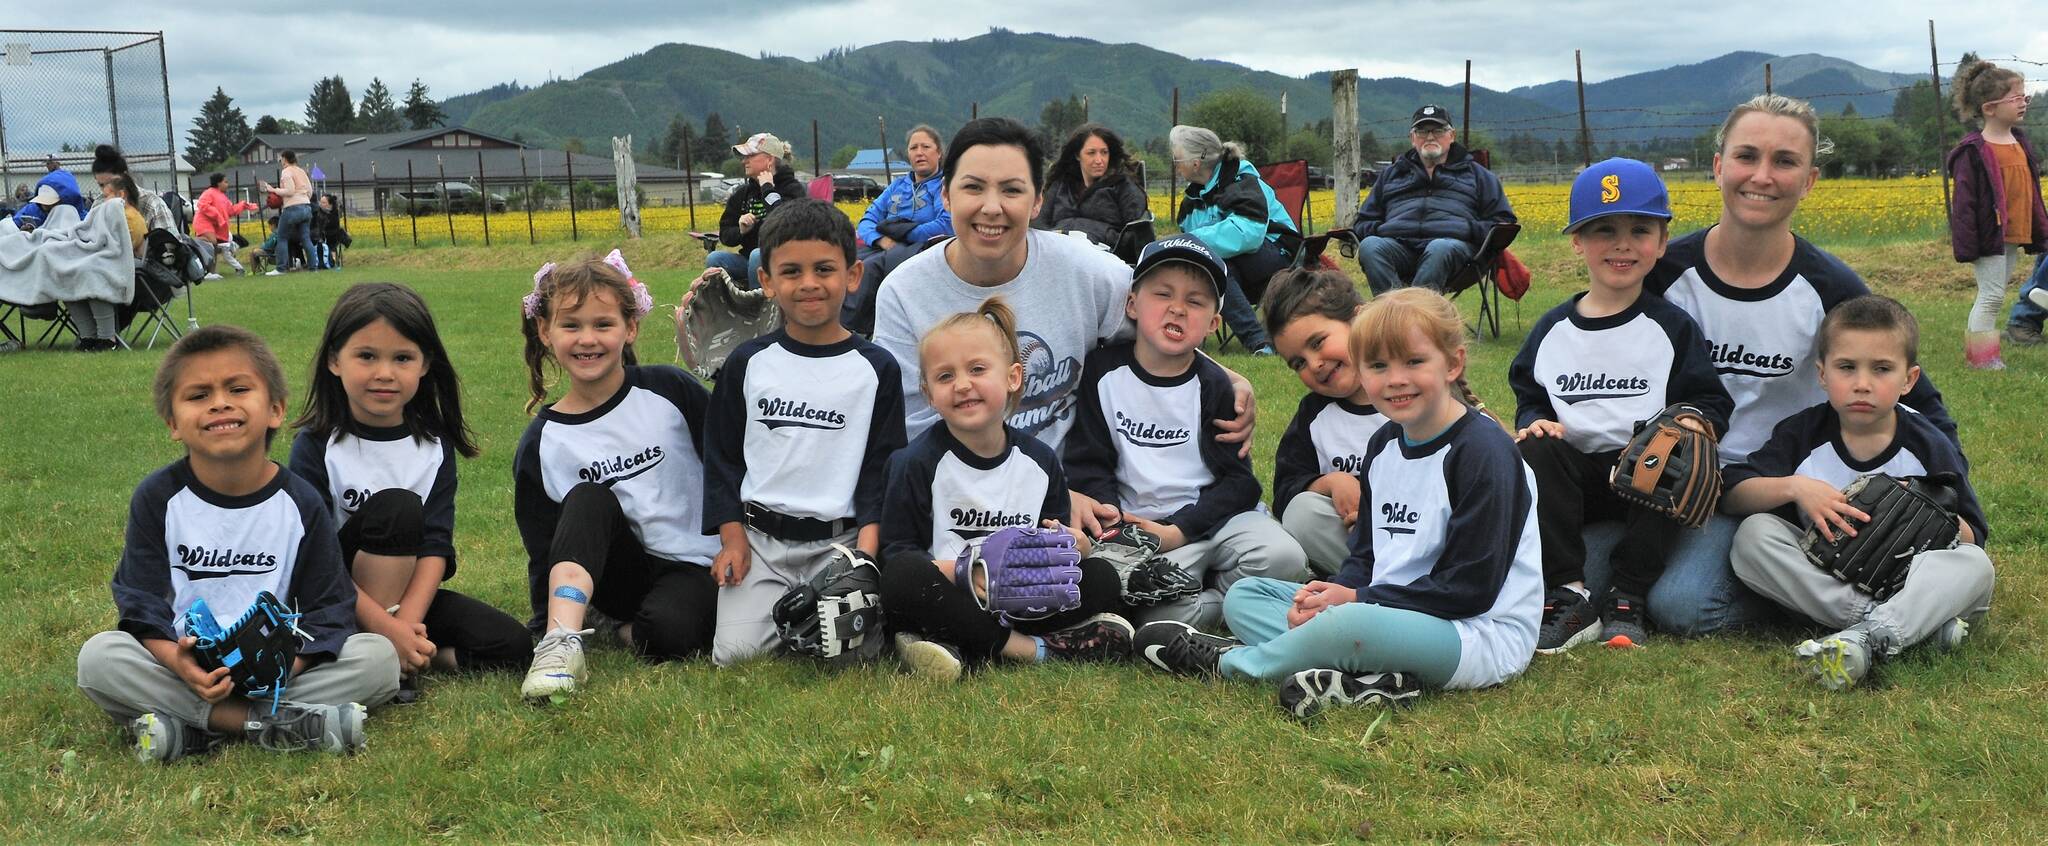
x: 929, y: 658
x: 1568, y: 620
x: 1265, y: 349
x: 1306, y: 693
x: 1952, y: 633
x: 1179, y: 648
x: 210, y: 277
x: 297, y: 727
x: 1840, y: 660
x: 1621, y: 622
x: 1103, y: 637
x: 2038, y: 296
x: 557, y: 665
x: 162, y: 737
x: 2022, y: 336
x: 274, y: 272
x: 408, y: 691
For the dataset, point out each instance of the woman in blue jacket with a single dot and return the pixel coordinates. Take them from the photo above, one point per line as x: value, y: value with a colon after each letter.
x: 908, y: 213
x: 1234, y: 211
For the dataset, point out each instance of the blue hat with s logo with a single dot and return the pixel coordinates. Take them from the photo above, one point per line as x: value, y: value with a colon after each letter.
x: 1617, y: 186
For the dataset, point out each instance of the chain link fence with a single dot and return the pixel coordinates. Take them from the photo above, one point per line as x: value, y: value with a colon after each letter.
x: 63, y: 92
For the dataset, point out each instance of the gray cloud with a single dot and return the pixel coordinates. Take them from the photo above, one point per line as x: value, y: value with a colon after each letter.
x: 269, y: 63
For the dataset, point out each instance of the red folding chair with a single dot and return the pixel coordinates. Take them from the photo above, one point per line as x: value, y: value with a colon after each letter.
x: 820, y: 187
x: 1289, y: 181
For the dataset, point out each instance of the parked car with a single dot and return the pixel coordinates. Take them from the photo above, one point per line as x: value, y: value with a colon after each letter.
x: 720, y: 191
x: 851, y: 187
x: 458, y: 197
x: 1319, y: 179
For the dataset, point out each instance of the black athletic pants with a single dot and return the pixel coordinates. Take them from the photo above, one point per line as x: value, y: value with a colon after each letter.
x: 916, y: 598
x: 672, y: 605
x: 392, y: 522
x: 1571, y: 491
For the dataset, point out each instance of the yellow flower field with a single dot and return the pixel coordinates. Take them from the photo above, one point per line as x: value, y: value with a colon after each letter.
x: 1839, y: 210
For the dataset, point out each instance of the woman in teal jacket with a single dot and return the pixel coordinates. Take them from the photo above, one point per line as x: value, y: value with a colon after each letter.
x: 1234, y: 211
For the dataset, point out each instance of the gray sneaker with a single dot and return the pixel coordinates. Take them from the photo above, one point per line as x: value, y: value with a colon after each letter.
x: 929, y: 658
x: 557, y: 666
x: 2022, y: 336
x: 165, y: 738
x: 1841, y: 660
x: 297, y: 727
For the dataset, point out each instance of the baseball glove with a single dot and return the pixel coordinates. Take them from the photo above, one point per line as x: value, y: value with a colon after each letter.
x: 1144, y: 577
x: 1907, y: 517
x: 1671, y: 469
x: 836, y: 617
x: 1022, y: 573
x: 719, y: 318
x: 257, y: 650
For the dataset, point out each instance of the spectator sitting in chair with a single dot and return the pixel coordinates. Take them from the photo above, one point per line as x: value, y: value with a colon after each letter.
x: 1233, y: 211
x: 58, y: 187
x: 1089, y: 189
x: 770, y: 180
x: 211, y: 224
x: 909, y: 212
x: 107, y: 163
x: 1428, y: 211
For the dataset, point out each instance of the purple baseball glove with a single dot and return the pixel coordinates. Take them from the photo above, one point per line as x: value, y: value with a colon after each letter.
x: 1022, y: 573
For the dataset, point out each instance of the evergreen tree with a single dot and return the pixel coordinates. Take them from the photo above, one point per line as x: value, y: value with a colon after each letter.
x: 266, y: 125
x: 421, y: 112
x: 330, y: 108
x: 378, y: 113
x: 217, y: 133
x: 1059, y: 119
x: 1243, y: 115
x: 715, y: 145
x: 670, y: 144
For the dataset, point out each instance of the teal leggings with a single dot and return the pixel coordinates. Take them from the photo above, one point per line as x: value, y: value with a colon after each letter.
x: 1356, y: 637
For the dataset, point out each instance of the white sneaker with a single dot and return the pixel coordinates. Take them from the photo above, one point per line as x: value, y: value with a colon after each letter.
x: 2039, y: 297
x: 929, y: 658
x: 275, y: 273
x: 210, y: 277
x: 557, y: 665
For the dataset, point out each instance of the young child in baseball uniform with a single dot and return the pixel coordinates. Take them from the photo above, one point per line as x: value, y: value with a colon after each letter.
x: 1868, y: 354
x: 379, y: 437
x: 1590, y: 370
x: 1144, y: 444
x: 802, y: 423
x: 220, y: 526
x: 1443, y: 586
x: 1315, y: 470
x: 607, y: 480
x: 964, y: 480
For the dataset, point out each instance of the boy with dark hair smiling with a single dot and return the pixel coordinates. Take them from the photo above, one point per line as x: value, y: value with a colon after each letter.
x: 800, y: 429
x: 1868, y: 355
x: 222, y: 525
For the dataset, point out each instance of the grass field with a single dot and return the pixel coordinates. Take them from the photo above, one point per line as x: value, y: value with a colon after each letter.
x: 1846, y: 211
x: 1708, y: 741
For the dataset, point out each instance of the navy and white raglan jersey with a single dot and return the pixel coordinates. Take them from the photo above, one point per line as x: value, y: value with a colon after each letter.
x: 1146, y: 443
x: 1762, y: 339
x: 644, y: 443
x: 1810, y: 444
x: 1327, y: 435
x: 942, y: 496
x: 803, y: 430
x: 1448, y: 528
x: 348, y: 468
x: 1599, y: 376
x: 187, y: 542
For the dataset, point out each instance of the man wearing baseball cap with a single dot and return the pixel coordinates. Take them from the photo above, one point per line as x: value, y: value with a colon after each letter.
x: 770, y: 180
x: 58, y: 187
x: 1429, y: 210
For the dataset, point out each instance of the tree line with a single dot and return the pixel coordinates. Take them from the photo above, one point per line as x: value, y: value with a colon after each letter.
x: 221, y: 129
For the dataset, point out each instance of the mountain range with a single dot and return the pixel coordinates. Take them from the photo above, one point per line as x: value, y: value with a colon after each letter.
x: 1127, y: 86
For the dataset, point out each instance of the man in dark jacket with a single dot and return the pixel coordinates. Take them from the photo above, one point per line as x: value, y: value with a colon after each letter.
x: 1428, y: 211
x: 769, y: 181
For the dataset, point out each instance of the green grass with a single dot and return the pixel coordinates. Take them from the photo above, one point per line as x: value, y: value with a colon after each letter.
x: 1714, y: 740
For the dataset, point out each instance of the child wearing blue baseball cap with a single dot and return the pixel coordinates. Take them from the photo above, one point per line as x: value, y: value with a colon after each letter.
x: 1144, y: 438
x: 1590, y: 370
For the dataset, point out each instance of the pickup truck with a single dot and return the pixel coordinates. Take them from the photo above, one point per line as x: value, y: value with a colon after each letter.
x: 457, y: 197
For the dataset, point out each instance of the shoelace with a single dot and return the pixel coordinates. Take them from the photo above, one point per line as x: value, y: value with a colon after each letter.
x: 554, y: 650
x: 301, y: 729
x: 1191, y: 652
x: 1832, y: 665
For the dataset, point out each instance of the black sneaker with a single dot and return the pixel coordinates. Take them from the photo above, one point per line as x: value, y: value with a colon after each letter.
x: 1568, y: 620
x: 1306, y: 693
x: 165, y: 738
x: 1179, y: 648
x: 408, y: 691
x: 294, y: 727
x: 1621, y: 621
x: 1103, y: 637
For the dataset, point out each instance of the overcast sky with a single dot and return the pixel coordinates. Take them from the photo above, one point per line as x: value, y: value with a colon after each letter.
x: 268, y: 64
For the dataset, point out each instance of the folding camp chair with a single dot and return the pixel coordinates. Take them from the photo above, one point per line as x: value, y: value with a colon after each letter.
x: 170, y: 267
x: 1477, y: 271
x: 1132, y: 238
x: 1289, y: 181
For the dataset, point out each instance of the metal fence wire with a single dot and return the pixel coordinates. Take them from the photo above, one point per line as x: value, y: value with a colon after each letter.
x: 63, y: 92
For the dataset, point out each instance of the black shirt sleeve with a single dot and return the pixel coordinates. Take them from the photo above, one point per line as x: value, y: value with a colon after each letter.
x: 1532, y: 400
x: 142, y: 580
x: 1693, y: 380
x: 1090, y: 458
x: 1294, y: 462
x: 1235, y: 489
x: 907, y: 508
x: 1490, y: 504
x: 439, y: 535
x: 308, y: 461
x: 725, y: 430
x: 885, y: 436
x: 1057, y: 506
x: 536, y: 514
x: 1790, y: 442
